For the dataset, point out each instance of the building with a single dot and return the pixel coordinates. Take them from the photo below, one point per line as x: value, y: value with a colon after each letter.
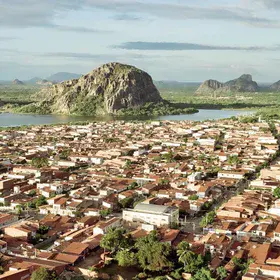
x: 152, y: 214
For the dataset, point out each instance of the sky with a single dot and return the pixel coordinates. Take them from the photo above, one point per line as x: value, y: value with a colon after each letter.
x: 175, y: 40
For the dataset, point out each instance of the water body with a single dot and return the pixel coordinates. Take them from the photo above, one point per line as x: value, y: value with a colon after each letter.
x: 8, y: 119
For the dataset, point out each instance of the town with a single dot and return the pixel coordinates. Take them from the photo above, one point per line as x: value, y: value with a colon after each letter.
x: 142, y: 200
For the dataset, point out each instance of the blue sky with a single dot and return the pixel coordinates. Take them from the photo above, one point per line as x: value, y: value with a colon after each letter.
x: 184, y: 40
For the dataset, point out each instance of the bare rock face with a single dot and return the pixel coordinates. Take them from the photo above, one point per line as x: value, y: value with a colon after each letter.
x: 209, y: 86
x: 45, y: 83
x: 275, y: 87
x: 107, y: 89
x: 244, y: 83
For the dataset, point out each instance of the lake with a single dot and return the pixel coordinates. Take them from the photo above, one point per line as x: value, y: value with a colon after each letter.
x: 8, y: 119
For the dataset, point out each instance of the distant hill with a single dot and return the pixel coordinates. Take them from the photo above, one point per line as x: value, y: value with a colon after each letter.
x: 275, y: 87
x: 17, y: 82
x: 244, y: 83
x: 33, y: 81
x: 45, y: 83
x: 63, y: 76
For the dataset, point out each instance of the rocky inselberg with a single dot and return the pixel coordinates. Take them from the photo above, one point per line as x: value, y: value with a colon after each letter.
x: 107, y: 89
x: 244, y: 83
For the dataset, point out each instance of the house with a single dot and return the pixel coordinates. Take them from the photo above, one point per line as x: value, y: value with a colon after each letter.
x: 67, y: 258
x: 87, y: 221
x: 21, y: 274
x: 231, y: 174
x: 22, y: 230
x: 6, y: 219
x: 103, y: 226
x: 78, y: 249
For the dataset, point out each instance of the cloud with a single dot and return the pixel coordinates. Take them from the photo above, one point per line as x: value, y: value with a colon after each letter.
x: 184, y: 12
x: 271, y: 4
x: 126, y: 17
x: 40, y: 13
x: 43, y: 13
x: 7, y: 38
x: 71, y: 55
x: 174, y: 46
x: 89, y: 56
x: 77, y: 29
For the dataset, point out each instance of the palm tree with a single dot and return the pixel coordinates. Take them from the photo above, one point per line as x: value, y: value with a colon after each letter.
x: 182, y: 250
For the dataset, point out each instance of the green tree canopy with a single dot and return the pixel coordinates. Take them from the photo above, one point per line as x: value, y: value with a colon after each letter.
x: 126, y: 258
x: 40, y: 274
x: 203, y: 274
x: 221, y: 272
x: 127, y: 202
x: 41, y: 201
x: 276, y: 192
x: 182, y: 249
x: 152, y: 254
x: 208, y: 219
x: 40, y: 162
x: 115, y: 239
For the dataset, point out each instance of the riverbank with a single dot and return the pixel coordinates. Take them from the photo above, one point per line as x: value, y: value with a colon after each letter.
x: 14, y: 120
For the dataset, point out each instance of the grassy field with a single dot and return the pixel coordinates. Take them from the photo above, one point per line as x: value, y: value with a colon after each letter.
x: 18, y: 94
x: 222, y: 101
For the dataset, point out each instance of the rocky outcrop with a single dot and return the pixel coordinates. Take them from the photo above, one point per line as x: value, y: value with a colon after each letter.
x: 108, y: 89
x: 275, y: 87
x: 244, y: 83
x: 45, y: 83
x: 17, y: 82
x: 209, y: 86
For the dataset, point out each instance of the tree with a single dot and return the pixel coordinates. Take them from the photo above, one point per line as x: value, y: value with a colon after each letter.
x: 193, y: 197
x: 132, y: 186
x: 128, y: 163
x: 242, y: 265
x: 64, y: 154
x: 105, y: 212
x: 40, y: 162
x: 41, y: 201
x: 276, y: 192
x: 43, y: 229
x: 208, y: 219
x: 115, y: 239
x: 168, y: 157
x: 233, y: 160
x: 221, y: 272
x: 40, y: 274
x: 152, y: 254
x: 203, y: 274
x: 163, y: 182
x: 192, y: 261
x: 182, y: 249
x: 32, y: 193
x: 126, y: 258
x: 18, y: 209
x: 127, y: 202
x: 30, y: 204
